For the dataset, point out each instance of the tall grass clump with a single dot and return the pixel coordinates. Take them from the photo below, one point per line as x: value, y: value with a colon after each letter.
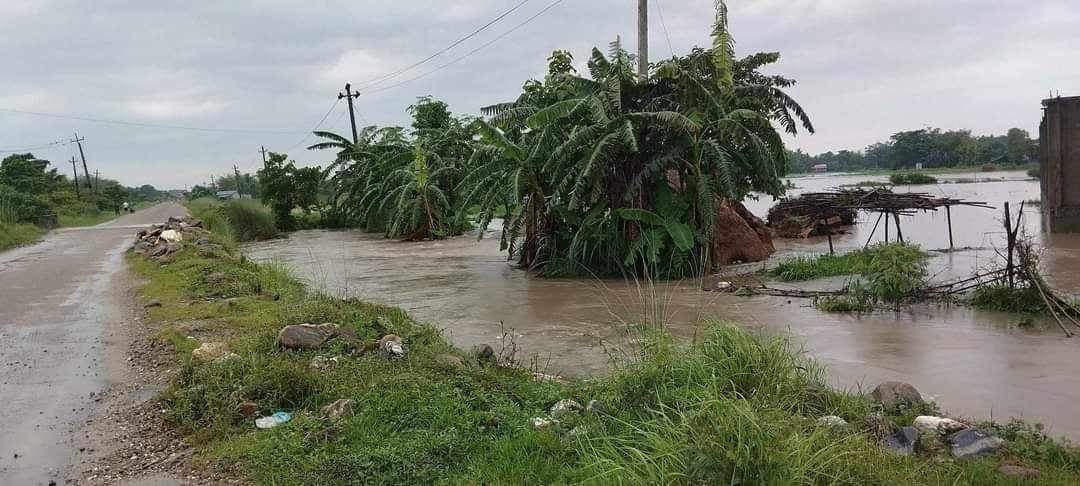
x: 1002, y: 298
x: 912, y: 178
x: 853, y: 263
x: 18, y: 234
x: 237, y: 220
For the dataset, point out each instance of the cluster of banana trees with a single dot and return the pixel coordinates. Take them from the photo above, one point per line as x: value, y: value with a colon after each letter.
x: 602, y: 174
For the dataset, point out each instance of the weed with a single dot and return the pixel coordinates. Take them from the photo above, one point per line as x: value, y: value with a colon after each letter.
x: 912, y: 178
x: 1002, y: 298
x: 17, y: 234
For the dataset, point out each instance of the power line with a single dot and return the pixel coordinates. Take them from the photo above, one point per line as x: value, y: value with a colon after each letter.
x: 663, y: 24
x: 146, y: 125
x: 322, y: 120
x: 454, y: 44
x: 50, y: 145
x: 470, y: 53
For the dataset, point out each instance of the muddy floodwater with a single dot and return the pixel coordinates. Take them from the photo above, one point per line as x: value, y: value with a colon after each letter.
x: 977, y: 364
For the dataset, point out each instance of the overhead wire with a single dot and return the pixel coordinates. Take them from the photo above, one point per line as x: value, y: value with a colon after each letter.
x: 36, y: 147
x: 663, y: 25
x: 467, y: 55
x: 146, y: 125
x: 384, y: 77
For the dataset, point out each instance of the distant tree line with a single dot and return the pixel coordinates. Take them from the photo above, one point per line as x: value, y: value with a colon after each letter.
x: 33, y: 191
x: 931, y: 147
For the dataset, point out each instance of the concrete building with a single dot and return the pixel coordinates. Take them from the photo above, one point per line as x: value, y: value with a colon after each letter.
x: 1059, y: 156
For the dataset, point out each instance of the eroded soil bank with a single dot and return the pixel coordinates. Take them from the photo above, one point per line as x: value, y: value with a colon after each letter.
x: 974, y: 363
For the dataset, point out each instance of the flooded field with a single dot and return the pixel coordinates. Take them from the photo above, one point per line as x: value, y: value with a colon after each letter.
x: 978, y: 364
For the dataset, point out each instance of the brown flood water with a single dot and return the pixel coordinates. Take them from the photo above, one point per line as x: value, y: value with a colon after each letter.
x: 976, y: 364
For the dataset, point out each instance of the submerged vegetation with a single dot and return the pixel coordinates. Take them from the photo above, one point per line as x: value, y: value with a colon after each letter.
x: 1002, y: 298
x: 853, y: 263
x: 736, y: 406
x: 912, y: 178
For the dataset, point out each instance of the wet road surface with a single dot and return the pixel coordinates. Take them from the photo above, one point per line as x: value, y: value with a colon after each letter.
x: 55, y: 300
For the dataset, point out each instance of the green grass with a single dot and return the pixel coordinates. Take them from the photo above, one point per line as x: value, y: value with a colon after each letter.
x: 74, y: 220
x: 857, y: 262
x: 240, y: 219
x: 13, y: 235
x: 736, y: 408
x: 1002, y: 298
x: 912, y: 178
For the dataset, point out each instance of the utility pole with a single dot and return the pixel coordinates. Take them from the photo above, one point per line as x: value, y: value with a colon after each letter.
x: 239, y: 191
x: 643, y: 38
x: 97, y: 178
x: 262, y: 149
x: 348, y: 94
x: 86, y: 172
x: 75, y: 171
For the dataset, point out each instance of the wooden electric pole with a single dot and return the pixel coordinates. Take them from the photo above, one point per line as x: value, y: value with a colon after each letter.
x: 97, y: 177
x: 262, y: 150
x: 75, y: 171
x: 349, y: 95
x: 86, y: 172
x: 643, y: 38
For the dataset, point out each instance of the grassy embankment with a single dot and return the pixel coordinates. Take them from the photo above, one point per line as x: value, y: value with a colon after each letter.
x: 13, y: 235
x: 734, y: 408
x: 236, y: 220
x: 887, y: 274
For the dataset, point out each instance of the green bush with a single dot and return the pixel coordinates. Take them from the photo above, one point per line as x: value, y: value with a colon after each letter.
x: 250, y: 220
x: 911, y: 178
x: 854, y: 263
x: 1002, y: 298
x: 20, y: 207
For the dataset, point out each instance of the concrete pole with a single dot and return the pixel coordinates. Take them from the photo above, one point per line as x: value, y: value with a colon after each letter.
x: 643, y: 38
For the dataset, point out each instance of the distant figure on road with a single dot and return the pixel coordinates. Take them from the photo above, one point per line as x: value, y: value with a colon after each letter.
x: 127, y: 209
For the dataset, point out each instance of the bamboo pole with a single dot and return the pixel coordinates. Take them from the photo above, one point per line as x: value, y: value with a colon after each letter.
x: 872, y: 232
x: 948, y: 217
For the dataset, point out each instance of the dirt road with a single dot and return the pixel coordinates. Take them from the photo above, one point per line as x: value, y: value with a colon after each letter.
x: 56, y: 299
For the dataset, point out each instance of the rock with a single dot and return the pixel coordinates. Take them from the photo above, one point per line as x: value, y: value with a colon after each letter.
x: 929, y: 424
x: 392, y: 346
x: 485, y: 354
x: 305, y: 336
x: 1018, y: 471
x: 450, y: 361
x: 833, y: 422
x: 745, y: 237
x: 594, y: 406
x: 903, y: 441
x: 877, y: 425
x: 152, y: 303
x: 247, y: 409
x: 892, y: 394
x: 207, y: 352
x: 745, y: 292
x: 324, y: 363
x: 203, y: 241
x: 565, y: 406
x: 543, y: 423
x: 972, y: 443
x: 171, y: 236
x: 338, y: 409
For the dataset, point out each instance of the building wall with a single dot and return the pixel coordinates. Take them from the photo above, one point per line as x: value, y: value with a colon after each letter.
x: 1059, y: 153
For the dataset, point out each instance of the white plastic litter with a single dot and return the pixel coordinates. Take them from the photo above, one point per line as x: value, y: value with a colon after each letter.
x: 272, y: 421
x: 171, y: 236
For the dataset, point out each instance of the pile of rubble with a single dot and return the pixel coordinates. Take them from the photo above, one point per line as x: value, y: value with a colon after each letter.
x: 792, y: 219
x: 160, y: 241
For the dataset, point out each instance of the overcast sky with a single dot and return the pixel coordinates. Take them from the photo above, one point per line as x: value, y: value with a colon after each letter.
x: 866, y: 68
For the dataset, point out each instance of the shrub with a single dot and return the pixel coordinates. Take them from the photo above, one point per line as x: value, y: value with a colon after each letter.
x: 249, y: 220
x: 1035, y: 173
x: 19, y: 207
x: 1002, y: 298
x: 911, y: 178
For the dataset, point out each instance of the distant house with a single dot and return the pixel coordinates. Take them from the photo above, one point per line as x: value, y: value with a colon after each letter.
x: 225, y: 195
x: 820, y: 168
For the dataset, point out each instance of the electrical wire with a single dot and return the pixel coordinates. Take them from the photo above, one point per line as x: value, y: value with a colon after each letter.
x: 322, y: 120
x: 663, y: 24
x: 36, y: 147
x: 379, y: 79
x: 462, y: 58
x: 146, y: 125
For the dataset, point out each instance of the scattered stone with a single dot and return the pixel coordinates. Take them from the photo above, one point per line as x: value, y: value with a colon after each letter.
x: 338, y: 409
x: 928, y: 424
x: 903, y: 441
x: 892, y: 394
x: 450, y: 361
x: 152, y: 303
x: 324, y: 362
x: 202, y: 241
x: 172, y: 236
x: 543, y: 423
x: 485, y: 354
x: 745, y: 292
x: 565, y: 406
x: 1018, y: 471
x: 878, y: 425
x: 972, y: 443
x: 594, y: 406
x: 833, y: 422
x: 305, y: 336
x: 247, y: 409
x: 207, y: 352
x: 392, y: 346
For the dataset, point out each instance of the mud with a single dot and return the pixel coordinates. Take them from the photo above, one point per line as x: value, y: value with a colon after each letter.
x: 976, y: 364
x: 58, y: 359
